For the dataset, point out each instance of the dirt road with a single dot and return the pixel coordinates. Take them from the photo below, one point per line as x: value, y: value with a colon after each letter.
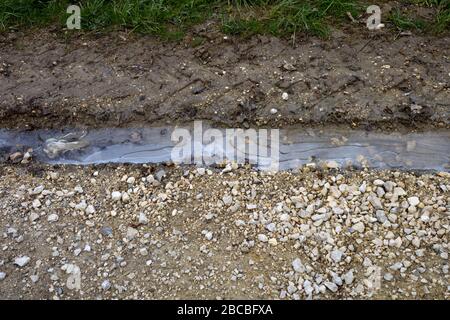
x: 357, y: 79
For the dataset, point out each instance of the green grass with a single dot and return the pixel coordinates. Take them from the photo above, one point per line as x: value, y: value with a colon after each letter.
x: 440, y: 23
x: 172, y: 18
x: 161, y: 17
x: 289, y: 17
x: 28, y: 12
x: 443, y: 17
x: 403, y: 22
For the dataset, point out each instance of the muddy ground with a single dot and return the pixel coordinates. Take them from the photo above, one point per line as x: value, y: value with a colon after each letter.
x: 356, y: 78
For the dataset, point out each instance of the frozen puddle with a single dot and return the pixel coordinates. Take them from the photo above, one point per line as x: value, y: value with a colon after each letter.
x: 411, y: 151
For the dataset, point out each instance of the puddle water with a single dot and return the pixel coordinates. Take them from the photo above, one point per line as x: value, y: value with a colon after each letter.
x: 297, y: 146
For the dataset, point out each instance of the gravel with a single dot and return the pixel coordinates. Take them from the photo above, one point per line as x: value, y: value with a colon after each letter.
x: 413, y: 201
x: 52, y: 217
x: 388, y: 276
x: 349, y: 277
x: 21, y: 261
x: 298, y: 266
x: 359, y: 227
x: 331, y: 286
x: 106, y: 285
x: 142, y: 218
x: 159, y: 232
x: 262, y: 238
x: 116, y: 196
x: 336, y: 255
x: 90, y: 209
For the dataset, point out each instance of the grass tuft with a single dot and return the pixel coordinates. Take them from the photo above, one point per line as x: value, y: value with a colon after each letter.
x: 440, y: 23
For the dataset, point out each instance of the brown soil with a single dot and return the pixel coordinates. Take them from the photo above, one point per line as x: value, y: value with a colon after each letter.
x: 357, y: 79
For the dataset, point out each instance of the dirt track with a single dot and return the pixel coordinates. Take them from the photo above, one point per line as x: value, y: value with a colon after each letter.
x: 120, y: 80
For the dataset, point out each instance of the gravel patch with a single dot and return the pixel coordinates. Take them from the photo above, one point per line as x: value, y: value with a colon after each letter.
x: 160, y: 232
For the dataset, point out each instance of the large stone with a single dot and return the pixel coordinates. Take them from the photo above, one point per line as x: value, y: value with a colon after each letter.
x: 336, y: 255
x: 21, y: 261
x: 298, y: 266
x: 359, y: 227
x: 375, y: 201
x: 413, y: 201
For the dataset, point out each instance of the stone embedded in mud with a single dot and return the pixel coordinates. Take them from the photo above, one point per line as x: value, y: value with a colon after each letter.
x: 34, y: 278
x: 131, y: 233
x: 336, y: 255
x: 227, y: 200
x: 332, y: 164
x: 90, y: 209
x: 36, y: 203
x: 413, y: 201
x: 348, y: 277
x: 375, y: 202
x: 34, y: 216
x: 262, y: 238
x: 142, y: 218
x: 106, y: 285
x: 81, y: 206
x: 160, y: 175
x: 378, y: 182
x: 106, y: 231
x: 116, y: 195
x: 289, y: 67
x: 125, y: 197
x: 208, y: 235
x: 381, y: 216
x: 331, y: 286
x: 52, y: 217
x: 399, y: 192
x: 21, y: 261
x: 359, y: 226
x: 297, y: 265
x: 37, y: 190
x: 12, y: 231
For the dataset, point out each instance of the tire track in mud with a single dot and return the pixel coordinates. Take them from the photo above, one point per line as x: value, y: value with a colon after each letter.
x: 104, y: 82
